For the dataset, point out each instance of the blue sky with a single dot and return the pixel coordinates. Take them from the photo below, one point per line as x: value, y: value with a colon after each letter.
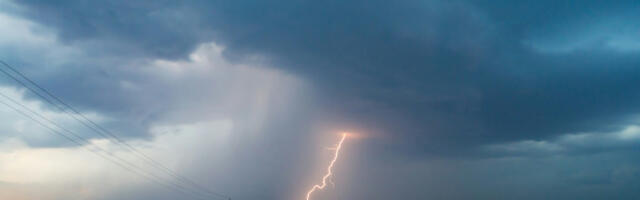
x: 463, y: 99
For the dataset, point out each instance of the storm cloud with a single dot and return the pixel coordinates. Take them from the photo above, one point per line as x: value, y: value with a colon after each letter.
x: 440, y: 88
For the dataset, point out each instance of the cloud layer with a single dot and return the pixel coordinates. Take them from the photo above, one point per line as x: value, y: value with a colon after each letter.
x: 463, y: 96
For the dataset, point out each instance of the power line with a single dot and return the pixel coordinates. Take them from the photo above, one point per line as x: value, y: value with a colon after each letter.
x: 101, y: 130
x: 107, y: 156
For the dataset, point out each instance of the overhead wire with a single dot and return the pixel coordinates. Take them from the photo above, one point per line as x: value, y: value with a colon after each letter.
x: 95, y: 127
x: 100, y: 151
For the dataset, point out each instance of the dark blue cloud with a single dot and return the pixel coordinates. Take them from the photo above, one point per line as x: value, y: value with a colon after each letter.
x: 437, y: 72
x: 447, y: 79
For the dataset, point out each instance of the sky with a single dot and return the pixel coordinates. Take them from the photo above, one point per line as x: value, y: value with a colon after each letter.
x: 457, y: 99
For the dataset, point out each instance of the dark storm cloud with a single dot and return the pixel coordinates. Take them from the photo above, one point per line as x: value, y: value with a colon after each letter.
x: 539, y: 97
x: 439, y: 73
x: 157, y: 28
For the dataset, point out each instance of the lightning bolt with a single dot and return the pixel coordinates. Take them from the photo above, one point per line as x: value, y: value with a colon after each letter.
x: 329, y: 169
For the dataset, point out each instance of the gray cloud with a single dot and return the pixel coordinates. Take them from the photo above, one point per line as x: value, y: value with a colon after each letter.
x: 452, y: 72
x: 442, y: 79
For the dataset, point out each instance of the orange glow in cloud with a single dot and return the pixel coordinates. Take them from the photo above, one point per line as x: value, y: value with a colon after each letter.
x: 329, y: 169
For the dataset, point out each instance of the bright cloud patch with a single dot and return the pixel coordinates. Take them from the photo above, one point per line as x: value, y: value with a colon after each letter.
x: 77, y: 169
x: 572, y: 143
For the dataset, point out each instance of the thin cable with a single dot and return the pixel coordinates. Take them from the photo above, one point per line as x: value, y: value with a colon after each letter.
x: 107, y: 156
x: 104, y: 132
